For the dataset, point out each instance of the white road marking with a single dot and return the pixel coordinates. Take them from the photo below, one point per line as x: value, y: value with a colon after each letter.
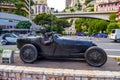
x: 113, y: 56
x: 112, y: 49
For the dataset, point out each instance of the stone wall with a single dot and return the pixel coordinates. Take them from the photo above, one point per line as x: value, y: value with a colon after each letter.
x: 34, y: 73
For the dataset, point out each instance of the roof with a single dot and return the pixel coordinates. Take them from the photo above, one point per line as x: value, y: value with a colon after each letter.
x: 12, y: 16
x: 16, y: 18
x: 7, y: 23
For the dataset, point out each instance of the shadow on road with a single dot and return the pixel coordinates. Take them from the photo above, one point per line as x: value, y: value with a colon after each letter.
x: 111, y: 64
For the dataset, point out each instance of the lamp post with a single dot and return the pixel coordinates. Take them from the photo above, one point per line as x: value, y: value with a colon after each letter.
x: 29, y: 10
x: 52, y: 11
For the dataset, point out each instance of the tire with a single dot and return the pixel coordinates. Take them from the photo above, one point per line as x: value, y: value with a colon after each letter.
x: 3, y: 42
x: 28, y: 53
x: 115, y: 40
x: 95, y: 56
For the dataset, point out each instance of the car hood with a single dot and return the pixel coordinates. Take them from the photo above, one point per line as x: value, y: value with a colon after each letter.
x: 74, y: 41
x: 76, y: 38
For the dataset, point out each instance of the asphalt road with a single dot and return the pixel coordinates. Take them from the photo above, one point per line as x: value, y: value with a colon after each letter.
x: 108, y: 45
x: 111, y: 47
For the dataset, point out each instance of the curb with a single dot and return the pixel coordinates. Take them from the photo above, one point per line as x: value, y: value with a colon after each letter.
x: 26, y: 72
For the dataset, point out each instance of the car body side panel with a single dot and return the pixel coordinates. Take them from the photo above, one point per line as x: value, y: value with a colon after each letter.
x: 59, y: 47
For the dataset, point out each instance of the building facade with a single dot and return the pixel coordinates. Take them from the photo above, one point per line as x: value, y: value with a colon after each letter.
x: 10, y: 8
x: 9, y: 21
x: 40, y: 6
x: 69, y: 2
x: 106, y: 5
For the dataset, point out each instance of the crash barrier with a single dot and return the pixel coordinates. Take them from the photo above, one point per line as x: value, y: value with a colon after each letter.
x: 34, y: 73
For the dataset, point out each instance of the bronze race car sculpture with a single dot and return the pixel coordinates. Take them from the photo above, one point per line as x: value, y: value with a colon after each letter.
x: 61, y: 47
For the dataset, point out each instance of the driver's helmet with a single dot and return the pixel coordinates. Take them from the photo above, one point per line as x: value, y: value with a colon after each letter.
x: 43, y: 30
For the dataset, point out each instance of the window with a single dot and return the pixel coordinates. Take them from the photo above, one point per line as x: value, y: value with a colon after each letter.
x: 113, y: 31
x: 43, y: 8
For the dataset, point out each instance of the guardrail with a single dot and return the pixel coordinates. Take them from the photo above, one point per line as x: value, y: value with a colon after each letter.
x: 8, y: 72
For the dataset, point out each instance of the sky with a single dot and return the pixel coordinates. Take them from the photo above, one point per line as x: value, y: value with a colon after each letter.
x: 56, y: 4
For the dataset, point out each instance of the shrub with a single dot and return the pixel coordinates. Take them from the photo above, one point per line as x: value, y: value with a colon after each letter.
x: 112, y: 26
x: 1, y: 50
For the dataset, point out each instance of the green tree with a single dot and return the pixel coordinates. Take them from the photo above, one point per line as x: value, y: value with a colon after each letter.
x: 72, y: 10
x: 79, y: 7
x: 62, y: 22
x: 51, y: 22
x: 112, y: 17
x: 45, y: 19
x: 23, y: 25
x: 91, y: 9
x: 96, y: 26
x: 79, y: 23
x: 112, y: 26
x: 19, y: 5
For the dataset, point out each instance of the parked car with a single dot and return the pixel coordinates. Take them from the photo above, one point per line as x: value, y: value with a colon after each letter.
x: 115, y: 35
x: 79, y: 34
x: 101, y: 35
x: 8, y: 38
x: 31, y: 48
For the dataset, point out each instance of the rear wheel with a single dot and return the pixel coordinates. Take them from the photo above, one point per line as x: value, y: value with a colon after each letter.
x: 95, y: 56
x: 3, y: 42
x: 28, y: 53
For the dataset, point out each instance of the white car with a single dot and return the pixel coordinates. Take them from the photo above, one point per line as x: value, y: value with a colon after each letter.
x: 115, y: 35
x: 8, y: 38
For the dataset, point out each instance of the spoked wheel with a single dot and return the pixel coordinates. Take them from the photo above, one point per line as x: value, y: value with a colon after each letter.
x: 95, y: 56
x: 28, y: 53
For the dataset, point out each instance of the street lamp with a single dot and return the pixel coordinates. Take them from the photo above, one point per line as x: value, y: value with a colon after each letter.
x: 52, y: 11
x: 29, y: 10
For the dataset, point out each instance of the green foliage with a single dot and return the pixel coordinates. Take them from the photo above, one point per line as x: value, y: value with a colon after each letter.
x: 112, y: 26
x: 91, y: 25
x: 1, y: 50
x: 42, y: 19
x: 79, y: 23
x: 20, y: 12
x: 49, y: 20
x: 87, y: 1
x: 71, y: 21
x: 67, y: 7
x: 31, y: 3
x: 79, y: 7
x: 112, y: 17
x: 91, y: 9
x: 96, y: 26
x: 72, y: 10
x: 57, y: 29
x: 62, y: 22
x: 19, y: 4
x: 23, y: 25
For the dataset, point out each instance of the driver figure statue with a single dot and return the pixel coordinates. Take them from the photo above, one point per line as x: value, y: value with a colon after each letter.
x: 46, y: 36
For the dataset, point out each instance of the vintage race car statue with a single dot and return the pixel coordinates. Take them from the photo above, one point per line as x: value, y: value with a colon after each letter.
x: 61, y: 47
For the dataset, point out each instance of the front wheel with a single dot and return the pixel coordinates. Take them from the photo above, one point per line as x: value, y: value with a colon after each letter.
x: 95, y: 56
x: 28, y: 53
